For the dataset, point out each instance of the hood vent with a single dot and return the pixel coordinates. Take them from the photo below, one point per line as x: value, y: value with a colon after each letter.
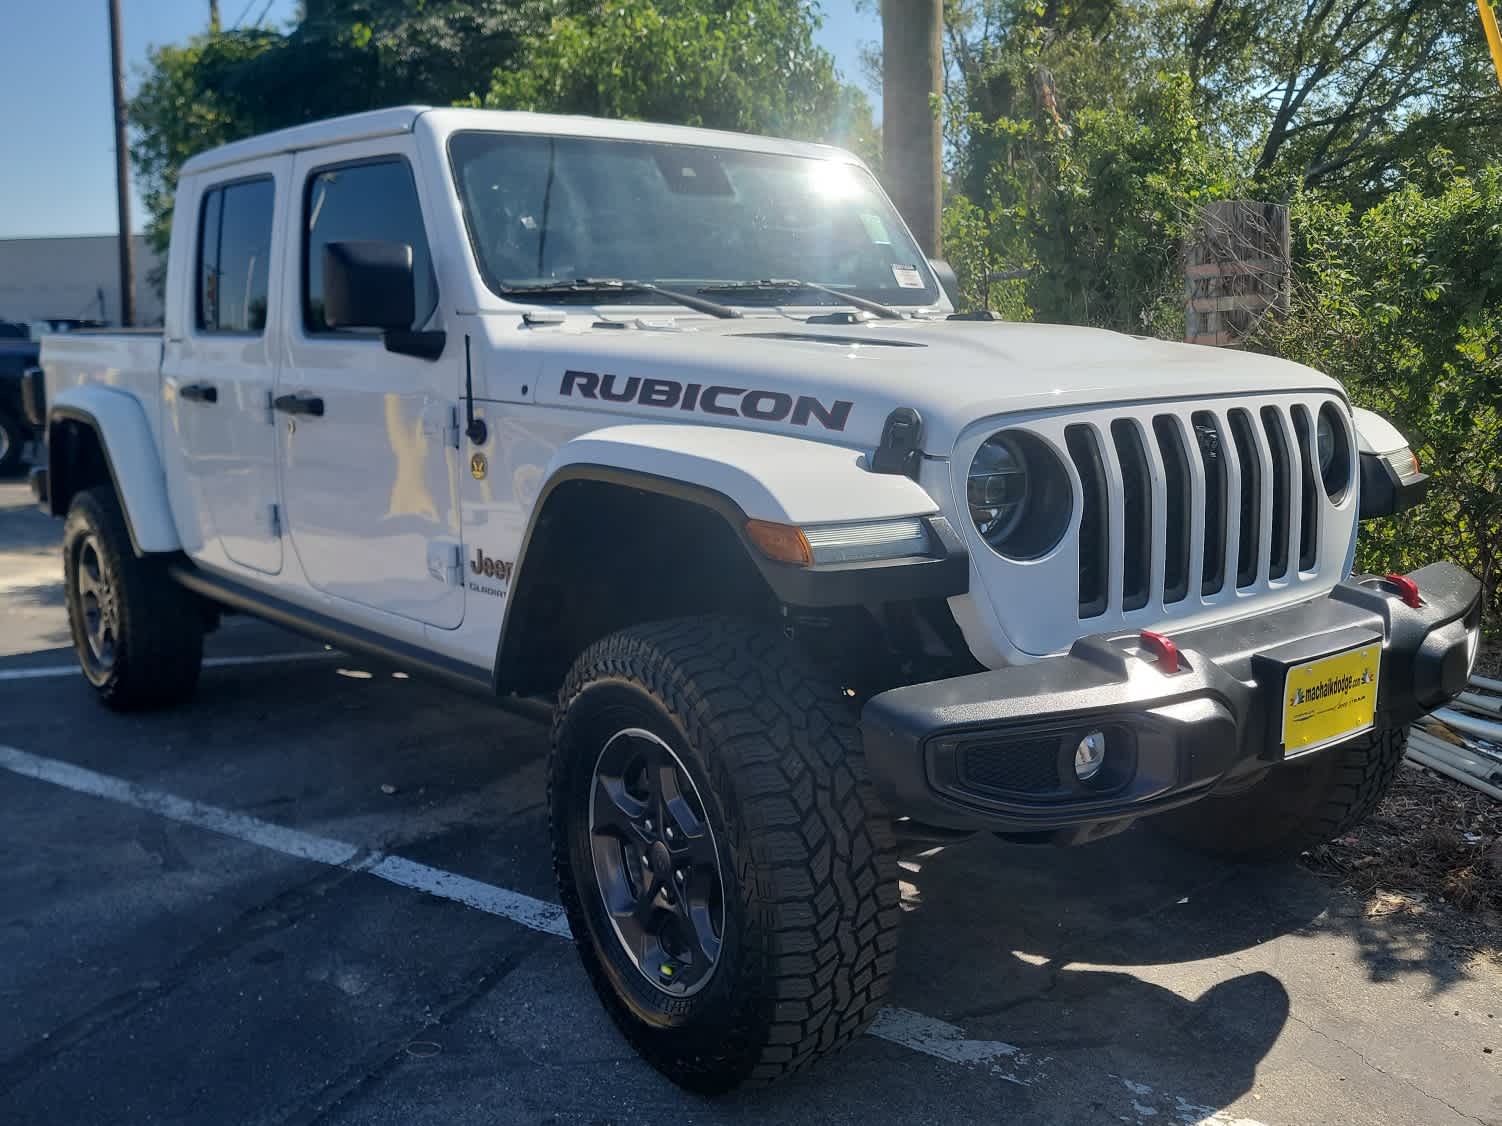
x: 842, y: 341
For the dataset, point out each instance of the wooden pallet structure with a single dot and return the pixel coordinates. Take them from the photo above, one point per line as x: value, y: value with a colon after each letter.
x: 1237, y: 271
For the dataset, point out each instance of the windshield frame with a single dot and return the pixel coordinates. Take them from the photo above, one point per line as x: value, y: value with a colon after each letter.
x: 907, y: 300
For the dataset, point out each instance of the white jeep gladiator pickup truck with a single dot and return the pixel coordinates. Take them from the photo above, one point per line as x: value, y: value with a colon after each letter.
x: 679, y: 430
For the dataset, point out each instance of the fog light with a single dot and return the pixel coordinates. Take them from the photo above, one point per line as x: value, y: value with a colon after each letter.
x: 1090, y: 756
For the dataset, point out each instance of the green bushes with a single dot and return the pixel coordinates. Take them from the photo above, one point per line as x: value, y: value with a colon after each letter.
x: 1403, y: 304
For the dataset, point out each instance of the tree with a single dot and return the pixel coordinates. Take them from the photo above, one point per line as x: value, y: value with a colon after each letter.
x: 183, y: 106
x: 1350, y: 89
x: 1403, y: 303
x: 731, y: 64
x: 745, y: 65
x: 342, y: 56
x: 1077, y: 155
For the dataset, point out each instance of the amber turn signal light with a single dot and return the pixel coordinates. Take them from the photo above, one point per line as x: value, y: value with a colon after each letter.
x: 781, y: 542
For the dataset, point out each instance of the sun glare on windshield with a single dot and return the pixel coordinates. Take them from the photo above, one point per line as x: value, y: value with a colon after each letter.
x: 832, y: 180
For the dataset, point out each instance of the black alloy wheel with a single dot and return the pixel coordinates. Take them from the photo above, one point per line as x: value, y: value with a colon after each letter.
x: 656, y: 864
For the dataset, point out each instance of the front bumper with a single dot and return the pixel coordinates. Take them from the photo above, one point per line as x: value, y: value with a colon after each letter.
x: 996, y: 750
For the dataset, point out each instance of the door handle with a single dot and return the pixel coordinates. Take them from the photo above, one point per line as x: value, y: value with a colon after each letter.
x: 199, y: 392
x: 299, y: 404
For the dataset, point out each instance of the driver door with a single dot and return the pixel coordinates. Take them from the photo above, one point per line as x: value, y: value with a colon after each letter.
x: 370, y: 477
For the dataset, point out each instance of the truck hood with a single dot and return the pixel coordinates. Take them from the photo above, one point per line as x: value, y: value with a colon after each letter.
x: 839, y: 383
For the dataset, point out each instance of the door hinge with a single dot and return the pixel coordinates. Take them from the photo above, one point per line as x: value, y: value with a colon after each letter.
x: 276, y: 520
x: 441, y: 421
x: 446, y: 563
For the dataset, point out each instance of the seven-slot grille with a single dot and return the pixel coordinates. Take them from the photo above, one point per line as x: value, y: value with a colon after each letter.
x: 1198, y: 503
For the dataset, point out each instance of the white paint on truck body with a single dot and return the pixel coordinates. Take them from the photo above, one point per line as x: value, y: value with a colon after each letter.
x: 380, y: 513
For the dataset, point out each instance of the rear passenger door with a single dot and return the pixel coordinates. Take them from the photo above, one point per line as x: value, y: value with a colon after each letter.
x: 370, y: 479
x: 219, y: 368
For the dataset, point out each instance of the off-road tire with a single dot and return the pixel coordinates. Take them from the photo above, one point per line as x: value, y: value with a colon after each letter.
x: 806, y: 854
x: 13, y: 438
x: 1297, y: 805
x: 158, y: 631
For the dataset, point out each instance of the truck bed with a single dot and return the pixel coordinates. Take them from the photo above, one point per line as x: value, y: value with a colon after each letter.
x: 128, y: 360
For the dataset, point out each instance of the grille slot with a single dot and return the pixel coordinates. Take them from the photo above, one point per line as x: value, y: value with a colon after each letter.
x: 1308, y: 481
x: 1277, y: 441
x: 1137, y: 488
x: 1028, y: 766
x: 1251, y: 496
x: 1213, y: 454
x: 1094, y: 561
x: 1179, y: 498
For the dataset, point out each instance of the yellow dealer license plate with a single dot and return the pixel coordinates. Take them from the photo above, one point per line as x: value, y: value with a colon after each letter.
x: 1331, y: 699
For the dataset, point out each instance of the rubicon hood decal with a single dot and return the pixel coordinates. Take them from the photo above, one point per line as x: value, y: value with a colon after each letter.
x: 714, y: 398
x: 839, y: 388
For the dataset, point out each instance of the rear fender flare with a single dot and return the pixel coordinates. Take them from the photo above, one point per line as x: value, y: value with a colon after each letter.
x: 135, y: 468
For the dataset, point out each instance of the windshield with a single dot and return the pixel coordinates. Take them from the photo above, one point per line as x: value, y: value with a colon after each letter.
x: 547, y: 209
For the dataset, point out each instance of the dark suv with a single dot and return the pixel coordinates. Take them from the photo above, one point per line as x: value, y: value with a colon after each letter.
x: 18, y: 352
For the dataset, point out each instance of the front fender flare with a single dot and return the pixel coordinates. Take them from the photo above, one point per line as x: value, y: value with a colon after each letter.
x: 766, y: 476
x: 130, y: 452
x: 741, y: 476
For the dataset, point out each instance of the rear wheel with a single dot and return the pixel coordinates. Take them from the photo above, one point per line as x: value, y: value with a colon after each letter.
x: 1297, y: 805
x: 729, y: 878
x: 137, y: 633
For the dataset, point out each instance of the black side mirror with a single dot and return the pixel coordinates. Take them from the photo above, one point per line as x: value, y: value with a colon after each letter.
x: 371, y: 285
x: 947, y: 278
x: 1384, y: 493
x: 368, y: 285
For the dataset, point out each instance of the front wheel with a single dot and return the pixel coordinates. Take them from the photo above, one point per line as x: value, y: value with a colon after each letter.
x: 1297, y: 805
x: 728, y: 875
x: 137, y: 633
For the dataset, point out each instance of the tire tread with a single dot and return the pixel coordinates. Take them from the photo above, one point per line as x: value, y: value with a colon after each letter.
x: 819, y: 858
x: 159, y: 652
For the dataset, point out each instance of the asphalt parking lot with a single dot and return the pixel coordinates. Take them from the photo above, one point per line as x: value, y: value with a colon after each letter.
x: 322, y: 894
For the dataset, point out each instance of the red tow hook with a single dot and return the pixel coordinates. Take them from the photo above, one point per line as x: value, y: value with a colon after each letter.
x: 1407, y: 590
x: 1165, y: 652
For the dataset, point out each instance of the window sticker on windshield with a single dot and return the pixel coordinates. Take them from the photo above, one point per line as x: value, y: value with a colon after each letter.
x: 876, y: 230
x: 908, y: 277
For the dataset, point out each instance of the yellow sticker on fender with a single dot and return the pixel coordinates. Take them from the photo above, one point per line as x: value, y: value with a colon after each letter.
x: 1330, y: 699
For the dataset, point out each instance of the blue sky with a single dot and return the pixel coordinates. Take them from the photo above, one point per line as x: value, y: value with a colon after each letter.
x: 56, y: 145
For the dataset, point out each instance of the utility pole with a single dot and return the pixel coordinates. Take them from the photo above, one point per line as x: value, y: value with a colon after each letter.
x: 214, y: 16
x: 122, y: 169
x: 912, y: 134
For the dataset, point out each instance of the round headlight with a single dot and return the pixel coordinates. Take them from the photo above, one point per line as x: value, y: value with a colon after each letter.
x: 1018, y: 494
x: 1324, y: 435
x: 997, y: 488
x: 1333, y: 448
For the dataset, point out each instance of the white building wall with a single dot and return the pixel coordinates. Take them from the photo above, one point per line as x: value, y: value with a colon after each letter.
x: 62, y: 277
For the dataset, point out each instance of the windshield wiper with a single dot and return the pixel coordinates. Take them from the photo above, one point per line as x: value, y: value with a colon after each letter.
x: 766, y: 284
x: 621, y: 286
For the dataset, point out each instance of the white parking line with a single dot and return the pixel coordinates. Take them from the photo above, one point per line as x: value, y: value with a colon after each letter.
x: 904, y: 1027
x: 523, y: 909
x: 51, y: 671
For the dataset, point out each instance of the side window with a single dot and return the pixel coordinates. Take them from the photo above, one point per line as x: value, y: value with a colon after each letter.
x: 234, y: 256
x: 357, y: 202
